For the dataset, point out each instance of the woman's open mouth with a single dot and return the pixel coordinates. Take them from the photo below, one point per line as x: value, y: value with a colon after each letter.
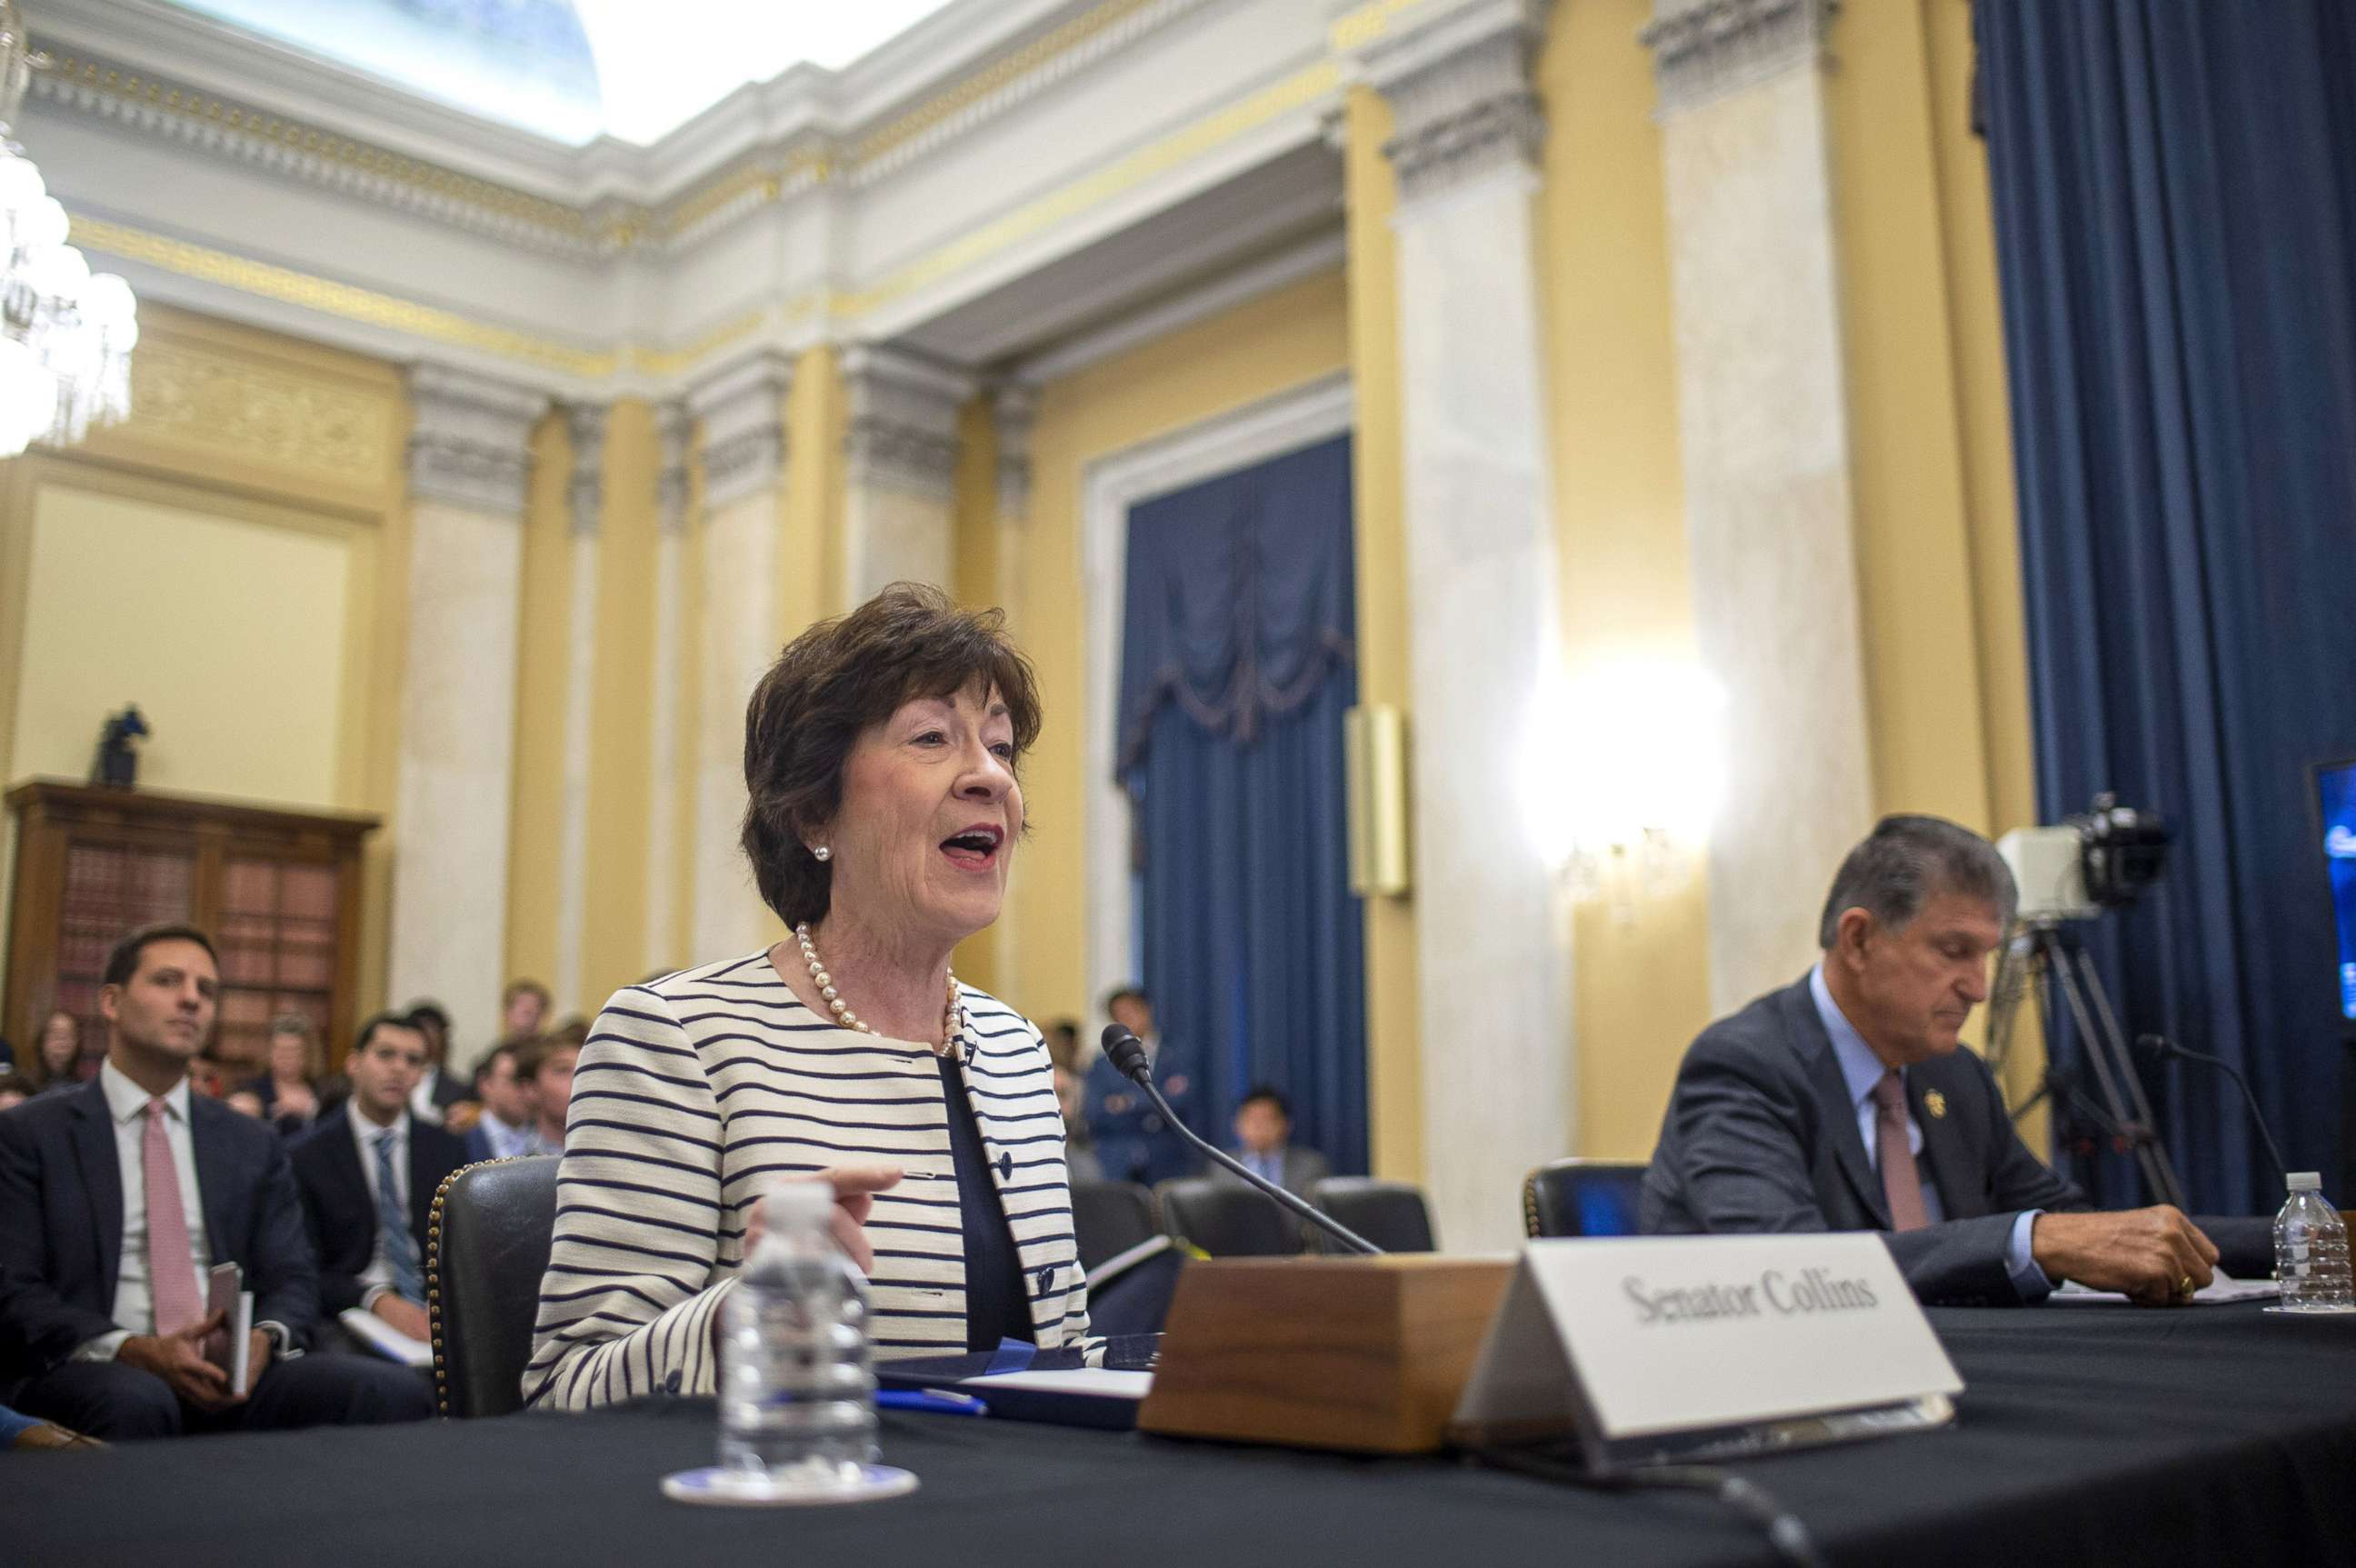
x: 974, y: 848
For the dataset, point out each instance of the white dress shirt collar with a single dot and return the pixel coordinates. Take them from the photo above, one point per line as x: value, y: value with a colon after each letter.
x: 125, y: 1099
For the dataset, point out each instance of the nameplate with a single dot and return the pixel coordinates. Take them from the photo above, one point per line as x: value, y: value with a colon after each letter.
x: 1691, y: 1347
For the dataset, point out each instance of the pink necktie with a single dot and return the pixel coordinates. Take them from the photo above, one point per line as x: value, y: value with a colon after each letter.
x: 171, y: 1272
x: 1901, y: 1184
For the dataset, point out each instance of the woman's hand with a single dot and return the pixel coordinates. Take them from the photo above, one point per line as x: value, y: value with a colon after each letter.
x: 855, y: 1187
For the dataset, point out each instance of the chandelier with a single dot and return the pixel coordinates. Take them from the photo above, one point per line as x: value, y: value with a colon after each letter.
x: 65, y: 336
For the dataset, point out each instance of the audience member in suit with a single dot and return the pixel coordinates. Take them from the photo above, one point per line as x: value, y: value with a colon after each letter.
x: 1265, y: 1146
x: 115, y: 1202
x: 510, y: 1125
x: 56, y: 1056
x: 1133, y: 1140
x: 368, y: 1173
x: 1844, y: 1102
x: 523, y: 1010
x: 437, y: 1089
x: 287, y: 1096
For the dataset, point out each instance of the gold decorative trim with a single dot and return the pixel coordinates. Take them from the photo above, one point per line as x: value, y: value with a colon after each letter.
x: 308, y: 142
x: 1362, y: 26
x: 188, y: 394
x: 345, y: 300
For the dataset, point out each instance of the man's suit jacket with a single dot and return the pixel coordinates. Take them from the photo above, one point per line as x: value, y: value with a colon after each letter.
x: 341, y: 1213
x: 1761, y: 1135
x: 1303, y: 1169
x: 62, y: 1223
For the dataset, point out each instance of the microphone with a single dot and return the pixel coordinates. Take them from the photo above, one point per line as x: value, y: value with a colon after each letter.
x: 2161, y: 1047
x: 1127, y: 1053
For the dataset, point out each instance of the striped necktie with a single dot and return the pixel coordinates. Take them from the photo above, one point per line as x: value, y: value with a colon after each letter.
x: 392, y: 1228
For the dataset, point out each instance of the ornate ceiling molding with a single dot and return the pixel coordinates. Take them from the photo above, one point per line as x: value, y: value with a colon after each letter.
x: 800, y: 161
x: 742, y: 411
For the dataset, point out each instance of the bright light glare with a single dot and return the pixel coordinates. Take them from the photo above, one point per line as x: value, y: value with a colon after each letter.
x: 658, y: 66
x: 1626, y: 746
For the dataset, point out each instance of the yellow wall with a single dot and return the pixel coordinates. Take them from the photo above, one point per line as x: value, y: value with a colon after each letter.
x: 1938, y: 563
x: 1293, y: 336
x: 536, y: 814
x: 235, y: 559
x: 1394, y: 1051
x: 613, y: 934
x: 1643, y: 987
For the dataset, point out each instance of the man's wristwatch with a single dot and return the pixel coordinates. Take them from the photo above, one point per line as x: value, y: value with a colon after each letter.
x: 282, y: 1342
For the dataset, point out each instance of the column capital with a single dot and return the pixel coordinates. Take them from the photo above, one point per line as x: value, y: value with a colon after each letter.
x: 675, y: 429
x: 903, y: 419
x: 1705, y: 50
x: 744, y: 415
x: 1013, y: 408
x: 585, y: 493
x: 1458, y: 82
x: 470, y: 442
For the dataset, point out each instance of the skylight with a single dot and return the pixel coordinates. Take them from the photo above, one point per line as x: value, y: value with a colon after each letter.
x: 574, y: 69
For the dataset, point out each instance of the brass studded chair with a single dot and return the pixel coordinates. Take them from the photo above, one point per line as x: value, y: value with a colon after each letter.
x: 1582, y: 1197
x: 488, y: 1247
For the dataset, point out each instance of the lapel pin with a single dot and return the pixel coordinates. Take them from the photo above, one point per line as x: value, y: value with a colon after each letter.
x: 1935, y: 1103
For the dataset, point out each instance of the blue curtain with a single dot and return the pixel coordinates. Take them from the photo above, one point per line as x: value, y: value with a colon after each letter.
x: 1239, y: 662
x: 2175, y: 193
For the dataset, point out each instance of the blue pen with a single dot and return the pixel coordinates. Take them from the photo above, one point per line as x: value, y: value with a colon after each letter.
x: 936, y: 1401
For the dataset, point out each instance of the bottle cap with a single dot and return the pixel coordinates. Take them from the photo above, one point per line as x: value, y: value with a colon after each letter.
x: 791, y: 1204
x: 2304, y: 1181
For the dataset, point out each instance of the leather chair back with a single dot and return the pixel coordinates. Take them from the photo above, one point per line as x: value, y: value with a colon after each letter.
x: 1109, y: 1218
x: 491, y: 1228
x: 1226, y: 1219
x: 1391, y: 1214
x: 1582, y: 1197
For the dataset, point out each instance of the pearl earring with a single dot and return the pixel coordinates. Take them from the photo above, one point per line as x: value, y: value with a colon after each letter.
x: 823, y: 853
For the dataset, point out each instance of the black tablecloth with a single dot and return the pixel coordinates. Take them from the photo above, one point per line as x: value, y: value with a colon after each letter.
x: 2087, y: 1434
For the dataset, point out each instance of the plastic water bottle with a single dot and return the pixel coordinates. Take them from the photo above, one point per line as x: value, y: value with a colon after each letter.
x: 796, y: 1398
x: 2311, y: 1250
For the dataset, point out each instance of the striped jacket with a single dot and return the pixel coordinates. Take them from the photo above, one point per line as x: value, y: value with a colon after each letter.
x: 698, y: 1091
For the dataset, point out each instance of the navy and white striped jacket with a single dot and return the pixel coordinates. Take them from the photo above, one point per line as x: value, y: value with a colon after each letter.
x: 696, y: 1093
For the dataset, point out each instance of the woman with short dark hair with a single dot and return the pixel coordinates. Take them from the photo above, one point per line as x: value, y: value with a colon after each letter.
x: 881, y: 760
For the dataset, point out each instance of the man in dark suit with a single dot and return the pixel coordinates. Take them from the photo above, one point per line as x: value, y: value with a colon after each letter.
x: 368, y: 1173
x: 1131, y: 1139
x: 1844, y: 1102
x: 1264, y: 1143
x: 118, y: 1197
x: 437, y: 1089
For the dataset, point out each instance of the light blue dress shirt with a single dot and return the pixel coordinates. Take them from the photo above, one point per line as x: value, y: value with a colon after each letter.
x: 1860, y: 1070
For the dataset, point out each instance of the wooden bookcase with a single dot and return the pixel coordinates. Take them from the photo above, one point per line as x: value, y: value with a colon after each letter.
x: 278, y: 891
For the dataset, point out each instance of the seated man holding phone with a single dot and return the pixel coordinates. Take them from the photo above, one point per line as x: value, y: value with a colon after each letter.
x: 117, y: 1200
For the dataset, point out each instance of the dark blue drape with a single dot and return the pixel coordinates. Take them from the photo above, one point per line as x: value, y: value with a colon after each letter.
x: 2175, y: 191
x: 1237, y: 664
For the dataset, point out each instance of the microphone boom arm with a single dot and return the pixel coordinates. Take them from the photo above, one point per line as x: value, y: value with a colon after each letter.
x: 1139, y: 1072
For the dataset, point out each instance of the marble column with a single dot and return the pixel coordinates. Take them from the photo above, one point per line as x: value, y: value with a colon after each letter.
x: 469, y: 466
x: 585, y: 498
x: 742, y: 411
x: 1763, y: 433
x: 675, y: 427
x: 1494, y: 943
x: 901, y: 469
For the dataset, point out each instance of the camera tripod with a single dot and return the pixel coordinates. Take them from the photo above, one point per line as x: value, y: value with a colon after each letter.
x: 2044, y: 954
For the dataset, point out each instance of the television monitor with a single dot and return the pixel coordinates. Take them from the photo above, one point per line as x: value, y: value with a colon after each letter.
x: 2336, y: 785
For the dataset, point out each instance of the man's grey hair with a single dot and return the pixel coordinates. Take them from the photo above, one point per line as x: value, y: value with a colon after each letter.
x: 1906, y: 860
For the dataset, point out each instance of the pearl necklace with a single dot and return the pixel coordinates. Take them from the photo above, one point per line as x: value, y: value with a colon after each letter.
x: 841, y: 1009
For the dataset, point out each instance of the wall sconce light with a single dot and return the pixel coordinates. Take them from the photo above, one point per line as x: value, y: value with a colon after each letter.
x: 1374, y: 748
x: 1622, y: 774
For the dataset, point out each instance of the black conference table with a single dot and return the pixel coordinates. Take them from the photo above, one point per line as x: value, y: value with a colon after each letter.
x: 2086, y: 1434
